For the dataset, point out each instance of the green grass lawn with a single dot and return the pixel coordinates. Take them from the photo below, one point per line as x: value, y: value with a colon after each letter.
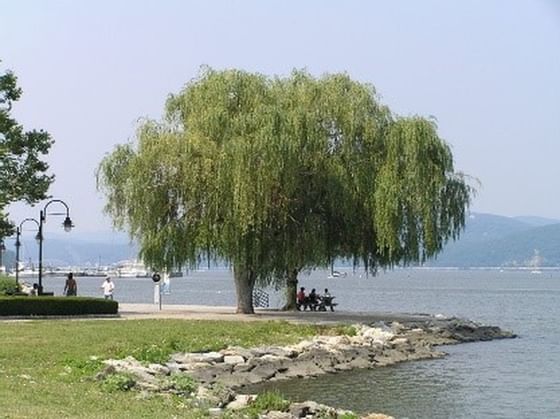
x: 46, y: 366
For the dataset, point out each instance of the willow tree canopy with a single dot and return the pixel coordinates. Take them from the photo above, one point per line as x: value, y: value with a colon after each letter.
x: 278, y: 174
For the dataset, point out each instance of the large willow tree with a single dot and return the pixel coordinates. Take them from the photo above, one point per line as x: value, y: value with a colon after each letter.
x: 276, y: 175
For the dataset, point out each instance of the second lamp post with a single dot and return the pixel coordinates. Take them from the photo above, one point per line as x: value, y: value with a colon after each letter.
x: 67, y: 224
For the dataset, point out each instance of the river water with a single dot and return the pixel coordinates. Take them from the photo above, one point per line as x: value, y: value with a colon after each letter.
x: 513, y: 378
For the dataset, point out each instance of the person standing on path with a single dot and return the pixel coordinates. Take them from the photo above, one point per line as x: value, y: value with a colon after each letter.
x: 108, y: 287
x: 71, y: 286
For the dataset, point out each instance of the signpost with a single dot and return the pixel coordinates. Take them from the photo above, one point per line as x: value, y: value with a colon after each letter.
x: 161, y: 287
x: 157, y: 289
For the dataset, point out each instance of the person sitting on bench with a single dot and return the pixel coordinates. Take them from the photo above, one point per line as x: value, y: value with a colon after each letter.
x: 326, y: 301
x: 301, y: 299
x: 313, y: 300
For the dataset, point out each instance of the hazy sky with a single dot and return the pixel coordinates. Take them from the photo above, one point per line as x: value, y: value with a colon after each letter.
x: 489, y: 71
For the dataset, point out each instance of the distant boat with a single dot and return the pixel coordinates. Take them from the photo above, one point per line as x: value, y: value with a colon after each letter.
x: 536, y: 262
x: 28, y: 273
x: 101, y: 271
x: 337, y: 274
x: 25, y: 271
x: 132, y: 269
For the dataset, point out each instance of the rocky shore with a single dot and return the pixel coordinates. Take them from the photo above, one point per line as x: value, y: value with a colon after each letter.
x: 219, y: 374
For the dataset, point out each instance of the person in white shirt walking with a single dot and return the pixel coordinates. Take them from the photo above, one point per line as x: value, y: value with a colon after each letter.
x: 108, y: 288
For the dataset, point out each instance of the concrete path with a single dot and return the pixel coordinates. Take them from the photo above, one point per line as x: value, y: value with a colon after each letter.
x: 197, y: 312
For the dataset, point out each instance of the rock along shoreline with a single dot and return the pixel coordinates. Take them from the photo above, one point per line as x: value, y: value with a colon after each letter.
x: 378, y: 344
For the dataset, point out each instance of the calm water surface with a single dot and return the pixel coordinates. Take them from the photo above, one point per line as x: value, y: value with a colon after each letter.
x: 517, y: 378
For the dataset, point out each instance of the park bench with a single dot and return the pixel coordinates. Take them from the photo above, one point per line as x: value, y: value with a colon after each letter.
x: 320, y: 304
x: 325, y: 302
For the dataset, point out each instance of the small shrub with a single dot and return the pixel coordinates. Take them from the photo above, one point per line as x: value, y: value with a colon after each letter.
x: 267, y: 401
x: 183, y: 383
x: 8, y: 286
x: 118, y: 382
x: 347, y: 330
x: 349, y: 415
x: 84, y: 367
x: 337, y: 330
x: 151, y: 354
x: 154, y: 353
x: 271, y: 400
x: 56, y: 306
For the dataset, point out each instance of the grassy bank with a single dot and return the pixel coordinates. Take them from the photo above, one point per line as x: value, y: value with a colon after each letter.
x: 46, y: 366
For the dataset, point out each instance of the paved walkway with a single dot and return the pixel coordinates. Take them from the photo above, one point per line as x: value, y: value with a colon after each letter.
x: 197, y: 312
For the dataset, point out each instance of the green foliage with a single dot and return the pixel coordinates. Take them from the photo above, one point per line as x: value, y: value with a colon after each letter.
x: 271, y: 400
x: 267, y: 401
x: 83, y: 367
x: 341, y: 330
x: 22, y: 172
x: 118, y: 382
x: 349, y: 415
x: 55, y: 306
x: 8, y: 286
x: 155, y: 353
x: 217, y: 336
x: 280, y: 174
x: 183, y: 382
x: 61, y: 355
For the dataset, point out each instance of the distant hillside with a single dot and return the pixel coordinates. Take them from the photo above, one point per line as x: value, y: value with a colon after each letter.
x: 480, y: 227
x: 488, y: 241
x: 536, y: 221
x: 491, y: 240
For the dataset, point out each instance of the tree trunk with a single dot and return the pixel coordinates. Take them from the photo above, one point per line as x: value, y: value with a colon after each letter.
x: 244, y: 284
x: 291, y: 290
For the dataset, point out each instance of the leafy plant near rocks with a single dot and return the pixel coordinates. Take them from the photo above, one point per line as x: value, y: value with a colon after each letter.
x: 117, y: 382
x: 155, y: 352
x: 183, y: 383
x: 271, y: 400
x: 344, y: 330
x: 217, y: 337
x: 83, y: 367
x: 265, y: 402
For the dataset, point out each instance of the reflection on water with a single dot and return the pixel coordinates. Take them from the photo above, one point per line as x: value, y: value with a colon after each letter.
x: 428, y: 392
x: 500, y: 379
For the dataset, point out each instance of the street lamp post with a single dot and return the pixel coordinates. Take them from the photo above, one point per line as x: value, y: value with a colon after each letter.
x: 67, y: 224
x: 18, y: 242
